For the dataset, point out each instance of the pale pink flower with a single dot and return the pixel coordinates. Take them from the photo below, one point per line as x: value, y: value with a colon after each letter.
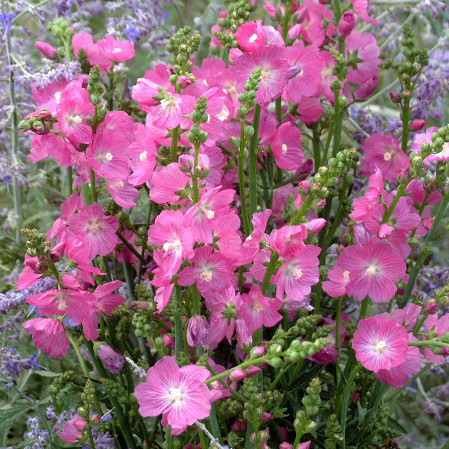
x: 46, y: 49
x: 313, y: 28
x: 170, y: 111
x: 369, y: 270
x: 50, y: 146
x: 49, y: 97
x: 251, y: 245
x: 123, y: 193
x: 95, y: 56
x: 361, y: 7
x: 298, y: 274
x: 380, y: 343
x: 179, y: 394
x: 275, y: 72
x: 72, y: 111
x: 211, y: 272
x: 95, y: 229
x: 144, y: 92
x: 48, y: 335
x: 286, y: 147
x: 108, y: 155
x: 171, y: 233
x: 258, y: 310
x: 143, y: 155
x: 289, y: 240
x: 167, y: 183
x: 73, y: 429
x: 384, y: 153
x: 120, y: 51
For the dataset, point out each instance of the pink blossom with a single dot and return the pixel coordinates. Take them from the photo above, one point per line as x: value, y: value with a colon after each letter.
x: 275, y: 72
x: 179, y: 394
x: 286, y: 147
x: 211, y: 272
x: 298, y: 274
x: 144, y: 92
x: 307, y: 65
x: 72, y: 111
x: 167, y: 183
x: 48, y: 335
x: 384, y: 153
x: 95, y: 229
x: 124, y: 194
x: 95, y: 56
x: 51, y: 146
x: 380, y: 343
x: 107, y: 155
x: 312, y: 27
x: 250, y: 36
x: 361, y: 7
x: 198, y: 332
x: 346, y: 24
x: 170, y: 111
x: 424, y: 137
x: 143, y: 155
x: 120, y: 51
x: 439, y: 326
x: 73, y: 429
x: 46, y: 49
x: 369, y: 270
x: 258, y: 310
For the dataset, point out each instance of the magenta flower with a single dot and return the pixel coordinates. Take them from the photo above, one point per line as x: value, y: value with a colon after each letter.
x: 179, y: 394
x: 167, y: 183
x: 258, y: 310
x: 73, y: 429
x: 171, y: 110
x: 275, y: 72
x: 124, y: 194
x: 384, y: 153
x: 380, y: 343
x: 95, y: 56
x: 48, y: 335
x: 119, y: 51
x: 371, y: 270
x: 95, y: 229
x: 72, y: 111
x: 251, y: 36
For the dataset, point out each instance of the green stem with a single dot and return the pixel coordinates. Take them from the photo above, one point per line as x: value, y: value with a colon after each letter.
x: 288, y: 8
x: 194, y: 176
x: 422, y: 253
x: 178, y: 323
x: 364, y: 308
x: 86, y: 193
x: 80, y: 357
x: 405, y: 124
x: 174, y: 144
x: 338, y: 324
x: 428, y: 343
x: 330, y: 134
x: 130, y: 247
x: 316, y: 148
x: 269, y: 273
x: 253, y: 161
x: 93, y: 190
x: 303, y: 210
x: 70, y: 180
x: 245, y: 217
x: 279, y: 376
x: 129, y: 280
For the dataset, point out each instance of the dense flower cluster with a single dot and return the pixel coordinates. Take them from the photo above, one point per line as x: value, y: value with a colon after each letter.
x: 273, y: 265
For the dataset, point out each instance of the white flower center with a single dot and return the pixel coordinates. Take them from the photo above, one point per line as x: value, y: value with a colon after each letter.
x: 58, y: 96
x: 252, y: 38
x: 284, y: 148
x: 387, y: 156
x: 210, y: 214
x: 297, y: 273
x: 169, y: 103
x: 206, y: 275
x: 372, y: 270
x: 108, y: 156
x: 265, y: 76
x: 73, y: 119
x: 118, y: 185
x: 117, y: 50
x: 143, y: 155
x: 94, y: 226
x: 176, y: 395
x: 224, y: 114
x: 346, y: 274
x: 175, y: 245
x: 380, y: 346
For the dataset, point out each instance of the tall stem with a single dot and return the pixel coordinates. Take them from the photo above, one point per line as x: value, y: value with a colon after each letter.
x: 174, y: 144
x: 245, y: 218
x: 253, y: 191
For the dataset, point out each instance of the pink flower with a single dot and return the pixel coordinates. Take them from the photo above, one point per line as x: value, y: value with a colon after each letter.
x: 346, y: 24
x: 286, y: 147
x: 48, y: 335
x: 384, y: 153
x: 212, y: 273
x: 107, y: 301
x: 298, y: 274
x: 73, y: 429
x: 258, y: 310
x: 46, y: 49
x: 95, y: 229
x: 112, y: 360
x: 95, y: 56
x: 306, y: 65
x: 167, y: 183
x: 108, y: 156
x: 380, y: 343
x: 371, y: 270
x: 144, y: 92
x: 250, y: 36
x: 119, y: 51
x: 275, y: 72
x: 171, y: 232
x: 198, y: 332
x: 171, y: 110
x: 72, y: 111
x: 289, y: 240
x: 52, y: 146
x: 179, y: 394
x: 439, y: 326
x: 124, y: 194
x: 361, y: 7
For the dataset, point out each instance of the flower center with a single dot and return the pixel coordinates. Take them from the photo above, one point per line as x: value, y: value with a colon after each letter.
x: 169, y: 103
x: 175, y: 245
x: 117, y: 185
x: 72, y: 120
x: 380, y: 346
x: 116, y: 50
x: 387, y: 156
x: 176, y: 395
x: 346, y: 274
x: 284, y: 148
x: 297, y: 273
x: 258, y: 306
x: 108, y: 156
x: 223, y: 114
x: 206, y: 275
x: 252, y: 38
x: 58, y: 96
x: 265, y: 76
x: 62, y: 302
x: 143, y: 155
x: 94, y: 226
x: 372, y: 270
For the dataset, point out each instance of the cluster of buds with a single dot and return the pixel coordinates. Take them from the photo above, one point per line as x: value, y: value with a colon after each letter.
x: 247, y: 99
x: 226, y: 39
x: 332, y: 432
x: 95, y: 86
x: 57, y: 386
x: 238, y: 14
x: 197, y: 136
x: 183, y: 45
x: 304, y: 422
x: 60, y: 29
x: 39, y: 122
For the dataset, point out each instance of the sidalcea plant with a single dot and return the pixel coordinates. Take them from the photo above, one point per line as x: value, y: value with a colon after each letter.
x: 271, y: 267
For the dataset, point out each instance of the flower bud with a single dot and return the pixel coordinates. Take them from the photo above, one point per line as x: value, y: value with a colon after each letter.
x: 432, y: 307
x: 418, y: 124
x: 238, y: 374
x: 198, y: 332
x: 346, y: 24
x: 112, y: 361
x: 395, y: 96
x: 367, y: 88
x: 46, y: 49
x: 184, y: 81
